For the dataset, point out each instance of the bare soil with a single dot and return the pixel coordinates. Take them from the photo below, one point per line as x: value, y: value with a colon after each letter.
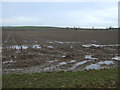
x: 56, y: 46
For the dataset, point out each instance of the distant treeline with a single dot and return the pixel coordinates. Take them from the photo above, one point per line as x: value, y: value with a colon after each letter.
x: 48, y: 27
x: 91, y: 28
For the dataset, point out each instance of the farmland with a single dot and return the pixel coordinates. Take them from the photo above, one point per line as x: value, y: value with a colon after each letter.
x: 51, y: 49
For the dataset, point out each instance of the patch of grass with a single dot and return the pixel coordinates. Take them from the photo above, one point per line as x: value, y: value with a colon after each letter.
x: 105, y: 78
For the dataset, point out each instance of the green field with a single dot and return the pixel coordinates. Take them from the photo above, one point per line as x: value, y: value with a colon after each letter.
x: 104, y: 78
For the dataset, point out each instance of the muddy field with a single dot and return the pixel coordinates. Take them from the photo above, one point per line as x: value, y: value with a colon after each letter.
x: 33, y: 50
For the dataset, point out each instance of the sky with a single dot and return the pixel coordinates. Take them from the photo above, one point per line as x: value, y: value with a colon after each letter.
x: 66, y: 14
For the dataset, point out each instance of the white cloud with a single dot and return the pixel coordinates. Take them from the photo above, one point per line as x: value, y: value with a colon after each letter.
x: 103, y: 17
x: 90, y: 17
x: 20, y: 20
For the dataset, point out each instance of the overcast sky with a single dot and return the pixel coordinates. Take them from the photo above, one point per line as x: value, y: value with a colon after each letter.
x: 82, y: 14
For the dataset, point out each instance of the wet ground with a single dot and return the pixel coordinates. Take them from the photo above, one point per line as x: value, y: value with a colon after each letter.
x: 33, y: 51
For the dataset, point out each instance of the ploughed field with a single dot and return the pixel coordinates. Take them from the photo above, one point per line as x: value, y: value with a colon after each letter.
x: 31, y: 50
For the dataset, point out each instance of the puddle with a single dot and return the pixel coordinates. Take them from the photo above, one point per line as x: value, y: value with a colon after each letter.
x: 91, y: 45
x: 13, y: 69
x: 78, y: 64
x: 90, y: 57
x: 116, y: 58
x: 10, y: 61
x: 62, y: 63
x: 95, y: 45
x: 72, y: 61
x: 60, y: 42
x: 36, y: 46
x: 19, y: 47
x: 50, y: 46
x: 46, y: 69
x: 98, y: 65
x: 93, y: 66
x: 24, y: 47
x: 71, y: 42
x: 63, y: 56
x: 106, y: 62
x: 52, y: 68
x: 52, y: 61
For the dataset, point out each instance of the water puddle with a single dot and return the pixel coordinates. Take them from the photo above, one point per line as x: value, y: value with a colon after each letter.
x: 52, y: 68
x: 95, y: 45
x: 90, y: 45
x: 50, y: 46
x: 93, y: 66
x: 116, y: 58
x: 90, y: 57
x: 36, y: 46
x: 10, y: 61
x: 60, y: 42
x: 19, y: 47
x: 78, y: 64
x: 24, y: 47
x: 72, y: 61
x: 63, y: 56
x: 46, y: 69
x: 106, y: 62
x: 98, y: 65
x: 14, y: 69
x: 62, y: 63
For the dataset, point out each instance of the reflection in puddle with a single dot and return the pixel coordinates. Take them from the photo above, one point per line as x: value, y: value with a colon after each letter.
x: 62, y: 63
x: 19, y: 47
x: 46, y: 69
x: 78, y: 64
x: 24, y: 47
x: 10, y: 61
x: 72, y: 61
x: 90, y: 57
x: 60, y: 42
x: 95, y: 45
x: 106, y: 62
x: 14, y: 69
x: 90, y: 45
x: 63, y: 56
x: 116, y: 58
x: 50, y: 46
x: 98, y: 65
x: 93, y: 66
x: 36, y: 46
x: 50, y: 68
